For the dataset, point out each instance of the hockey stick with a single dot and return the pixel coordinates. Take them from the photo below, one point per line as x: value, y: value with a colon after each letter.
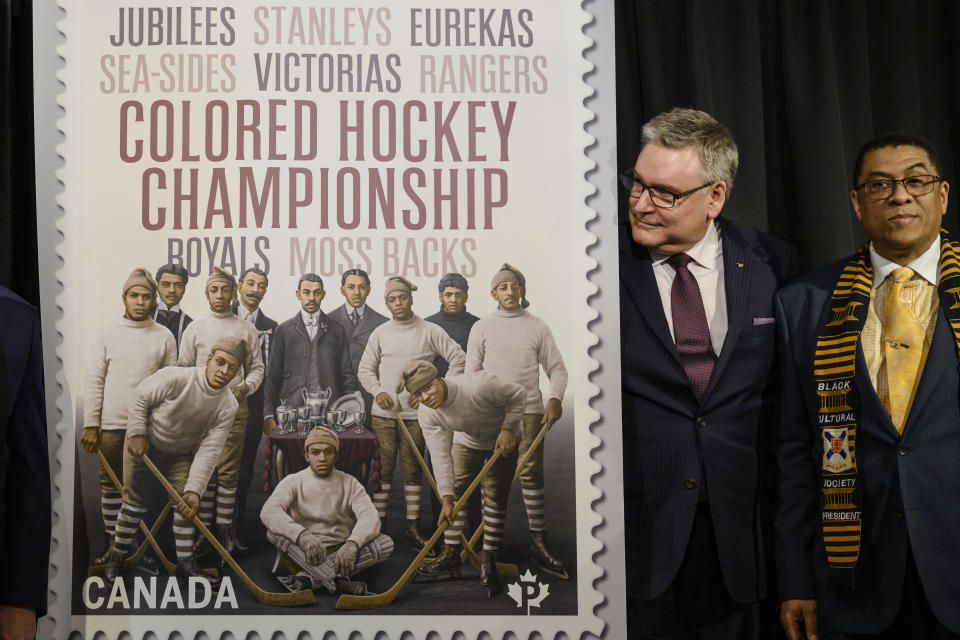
x: 148, y: 533
x: 266, y: 597
x: 516, y: 474
x: 353, y: 603
x: 129, y: 561
x: 504, y: 569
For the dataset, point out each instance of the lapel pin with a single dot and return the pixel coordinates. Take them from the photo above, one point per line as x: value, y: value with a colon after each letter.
x: 740, y: 264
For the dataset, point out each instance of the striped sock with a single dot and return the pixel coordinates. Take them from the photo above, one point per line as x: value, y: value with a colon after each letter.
x: 128, y: 520
x: 452, y: 534
x: 110, y: 502
x: 493, y: 523
x: 380, y: 499
x: 184, y: 534
x: 533, y: 501
x: 207, y: 502
x: 226, y: 504
x: 411, y: 492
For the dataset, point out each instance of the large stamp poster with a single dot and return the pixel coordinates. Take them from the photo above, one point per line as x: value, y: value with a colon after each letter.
x: 271, y: 211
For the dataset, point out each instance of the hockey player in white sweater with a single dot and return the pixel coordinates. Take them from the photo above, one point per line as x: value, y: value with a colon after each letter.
x: 122, y: 356
x: 323, y: 519
x: 465, y: 418
x: 221, y: 289
x: 514, y: 344
x: 391, y: 346
x: 181, y: 416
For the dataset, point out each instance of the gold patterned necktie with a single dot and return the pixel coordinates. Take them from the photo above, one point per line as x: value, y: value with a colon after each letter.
x: 903, y: 335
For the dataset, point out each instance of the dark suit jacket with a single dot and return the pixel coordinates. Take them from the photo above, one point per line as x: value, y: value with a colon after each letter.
x: 173, y: 323
x: 24, y: 467
x: 265, y: 327
x: 666, y: 432
x: 909, y: 486
x: 358, y: 335
x: 289, y: 362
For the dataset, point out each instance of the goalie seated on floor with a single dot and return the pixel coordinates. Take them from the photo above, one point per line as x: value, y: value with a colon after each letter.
x: 323, y: 520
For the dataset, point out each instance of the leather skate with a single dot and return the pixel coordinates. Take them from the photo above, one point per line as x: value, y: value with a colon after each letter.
x: 114, y: 563
x: 488, y: 573
x: 543, y: 558
x: 446, y: 566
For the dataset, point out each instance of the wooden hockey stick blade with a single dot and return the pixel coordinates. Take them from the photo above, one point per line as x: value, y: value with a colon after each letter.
x: 504, y: 569
x: 352, y: 603
x: 266, y: 597
x: 516, y: 474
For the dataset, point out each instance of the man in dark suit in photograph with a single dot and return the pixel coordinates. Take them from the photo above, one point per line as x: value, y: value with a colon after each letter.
x: 251, y: 291
x: 171, y: 285
x: 357, y: 319
x: 310, y: 352
x: 868, y: 521
x: 24, y: 471
x: 696, y: 305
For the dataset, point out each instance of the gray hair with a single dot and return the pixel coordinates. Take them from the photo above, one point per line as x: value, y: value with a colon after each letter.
x: 680, y: 128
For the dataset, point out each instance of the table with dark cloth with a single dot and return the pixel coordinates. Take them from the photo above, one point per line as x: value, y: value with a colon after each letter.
x: 359, y: 456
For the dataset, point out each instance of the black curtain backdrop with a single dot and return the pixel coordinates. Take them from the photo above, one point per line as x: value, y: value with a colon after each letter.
x: 801, y: 85
x: 18, y: 209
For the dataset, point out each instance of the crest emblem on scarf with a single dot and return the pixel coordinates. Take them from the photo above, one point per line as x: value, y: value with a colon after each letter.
x: 836, y: 450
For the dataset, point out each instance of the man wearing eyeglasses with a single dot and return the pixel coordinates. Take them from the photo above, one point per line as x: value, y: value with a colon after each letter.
x: 868, y: 523
x: 697, y: 327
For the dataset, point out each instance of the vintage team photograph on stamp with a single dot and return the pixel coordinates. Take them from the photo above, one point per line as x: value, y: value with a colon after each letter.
x: 325, y: 318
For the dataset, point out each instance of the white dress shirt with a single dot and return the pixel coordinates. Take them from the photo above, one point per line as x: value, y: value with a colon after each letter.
x: 245, y: 314
x: 707, y: 268
x: 311, y: 320
x: 927, y: 265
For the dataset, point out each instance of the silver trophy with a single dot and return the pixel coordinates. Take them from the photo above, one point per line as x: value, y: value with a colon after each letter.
x: 317, y: 402
x: 346, y: 412
x: 286, y: 417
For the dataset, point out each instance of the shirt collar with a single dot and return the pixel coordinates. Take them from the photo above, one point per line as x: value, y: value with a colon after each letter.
x: 360, y: 310
x: 927, y: 265
x: 162, y: 306
x: 315, y: 316
x: 246, y: 314
x: 704, y: 253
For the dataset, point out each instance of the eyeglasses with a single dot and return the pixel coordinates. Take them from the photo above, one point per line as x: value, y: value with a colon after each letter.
x: 883, y: 188
x: 660, y: 197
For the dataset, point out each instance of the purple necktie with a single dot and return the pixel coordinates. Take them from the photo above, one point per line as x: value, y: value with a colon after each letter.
x: 690, y: 329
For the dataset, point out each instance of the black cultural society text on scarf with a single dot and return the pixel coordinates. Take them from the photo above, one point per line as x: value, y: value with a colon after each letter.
x: 834, y: 375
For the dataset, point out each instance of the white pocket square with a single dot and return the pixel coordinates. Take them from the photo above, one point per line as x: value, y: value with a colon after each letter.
x: 761, y: 321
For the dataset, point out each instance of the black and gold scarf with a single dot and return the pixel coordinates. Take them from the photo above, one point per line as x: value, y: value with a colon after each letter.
x: 834, y: 374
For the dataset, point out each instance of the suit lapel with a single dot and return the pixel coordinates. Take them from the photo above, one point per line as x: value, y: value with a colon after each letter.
x: 870, y: 403
x: 738, y: 264
x: 636, y: 270
x: 942, y: 354
x: 365, y: 323
x: 300, y: 326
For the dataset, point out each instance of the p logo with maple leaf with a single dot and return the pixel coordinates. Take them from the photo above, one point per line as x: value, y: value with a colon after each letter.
x: 528, y: 591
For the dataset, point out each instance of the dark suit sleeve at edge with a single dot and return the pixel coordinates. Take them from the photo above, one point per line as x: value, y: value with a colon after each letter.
x: 350, y: 383
x: 25, y: 555
x: 273, y: 375
x: 796, y: 510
